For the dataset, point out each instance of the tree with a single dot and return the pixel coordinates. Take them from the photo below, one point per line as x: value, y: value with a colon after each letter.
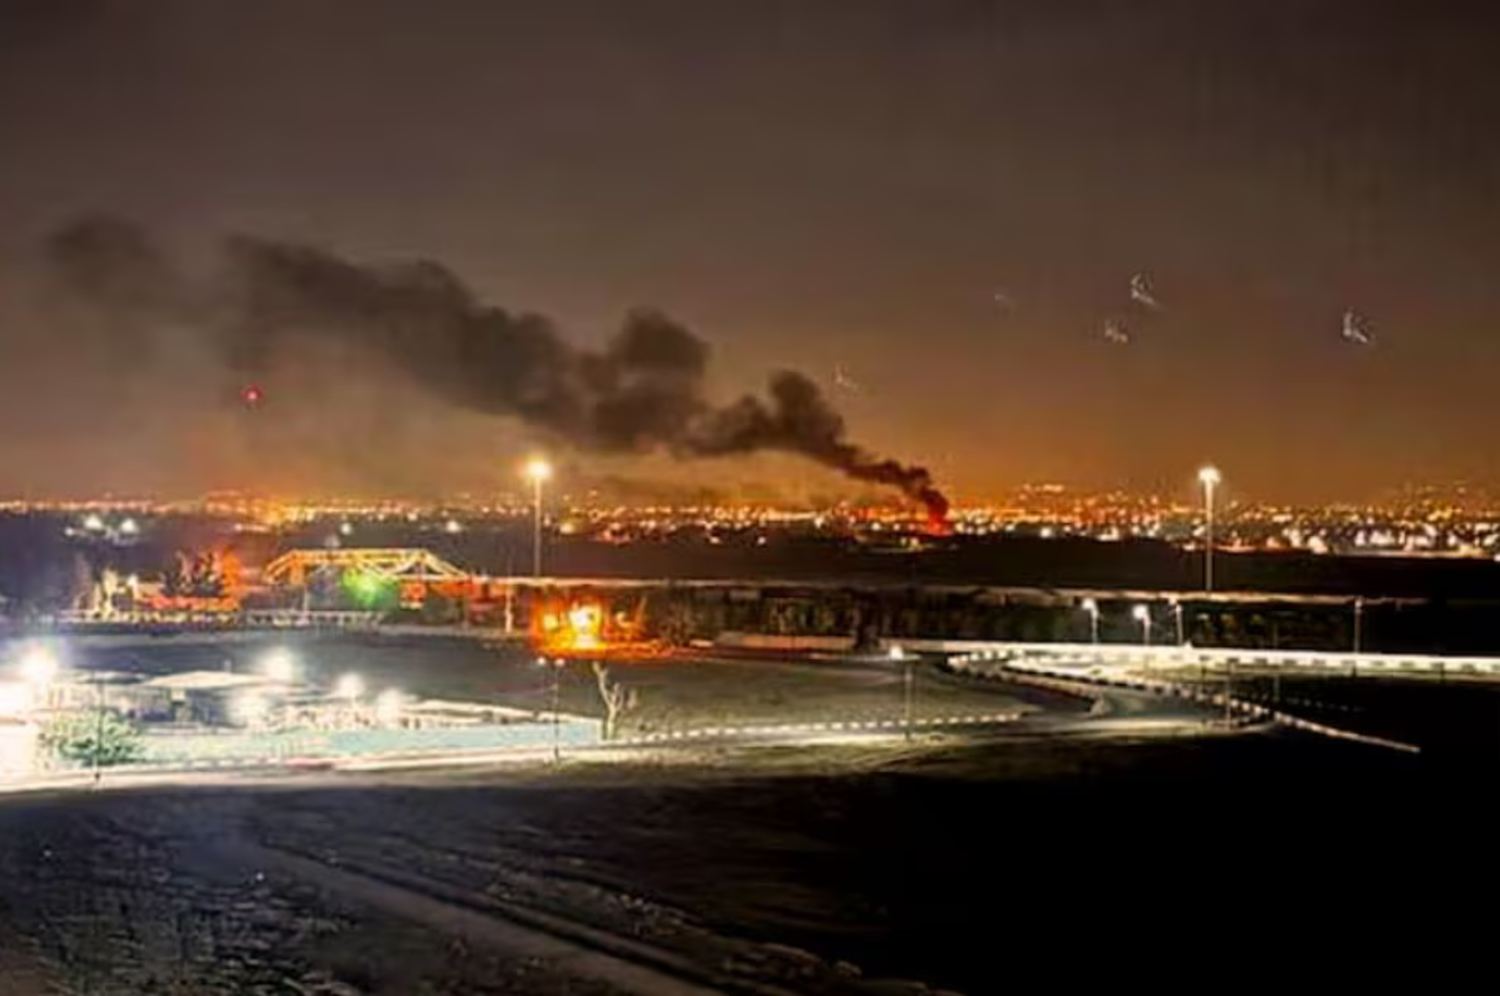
x: 618, y: 699
x: 90, y: 738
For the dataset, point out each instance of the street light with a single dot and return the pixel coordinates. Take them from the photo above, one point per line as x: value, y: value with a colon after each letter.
x: 898, y: 654
x: 39, y: 667
x: 388, y: 707
x: 538, y: 471
x: 1209, y: 478
x: 350, y: 686
x: 1142, y: 615
x: 279, y: 665
x: 557, y: 666
x: 1092, y: 608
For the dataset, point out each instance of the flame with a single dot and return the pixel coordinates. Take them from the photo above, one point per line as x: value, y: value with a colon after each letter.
x: 586, y: 627
x: 575, y: 627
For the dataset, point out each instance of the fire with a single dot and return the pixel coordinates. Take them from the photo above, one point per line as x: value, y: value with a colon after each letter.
x: 578, y: 627
x: 586, y: 627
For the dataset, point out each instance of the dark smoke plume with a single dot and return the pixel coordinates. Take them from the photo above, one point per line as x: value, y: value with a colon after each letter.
x: 275, y: 304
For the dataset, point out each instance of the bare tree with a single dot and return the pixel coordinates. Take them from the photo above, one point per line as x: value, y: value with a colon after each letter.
x: 618, y: 700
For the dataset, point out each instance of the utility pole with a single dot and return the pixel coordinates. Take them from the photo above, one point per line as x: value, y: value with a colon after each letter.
x: 1208, y: 477
x: 557, y: 666
x: 1228, y: 690
x: 908, y: 683
x: 536, y: 529
x: 910, y: 694
x: 98, y: 726
x: 538, y: 472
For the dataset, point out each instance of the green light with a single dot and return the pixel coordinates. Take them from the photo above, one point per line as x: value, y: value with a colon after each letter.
x: 369, y: 591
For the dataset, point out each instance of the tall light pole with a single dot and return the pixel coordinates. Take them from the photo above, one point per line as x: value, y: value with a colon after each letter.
x: 538, y: 471
x: 556, y: 664
x: 1209, y: 478
x: 1092, y: 608
x: 1142, y: 614
x: 39, y: 670
x: 898, y: 654
x: 1359, y: 613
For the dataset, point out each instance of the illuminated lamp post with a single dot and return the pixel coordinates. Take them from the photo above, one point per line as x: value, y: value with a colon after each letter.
x: 1359, y: 613
x: 1092, y: 608
x: 39, y: 669
x: 1208, y: 477
x: 1176, y: 604
x: 1142, y: 615
x: 538, y: 471
x: 280, y: 666
x: 908, y: 685
x: 556, y: 665
x: 350, y: 687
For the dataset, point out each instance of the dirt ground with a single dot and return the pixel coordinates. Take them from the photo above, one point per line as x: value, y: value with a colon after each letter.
x: 827, y: 870
x: 973, y: 865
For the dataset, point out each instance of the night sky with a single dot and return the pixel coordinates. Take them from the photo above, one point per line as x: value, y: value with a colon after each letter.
x: 945, y: 199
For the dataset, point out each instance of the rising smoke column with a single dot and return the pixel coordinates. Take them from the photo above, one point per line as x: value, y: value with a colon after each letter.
x: 798, y: 419
x: 275, y: 304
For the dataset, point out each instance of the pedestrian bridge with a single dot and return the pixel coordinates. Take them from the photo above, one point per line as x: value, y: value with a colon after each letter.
x: 1135, y: 657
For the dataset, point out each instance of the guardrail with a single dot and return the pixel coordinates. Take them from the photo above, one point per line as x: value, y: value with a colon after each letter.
x: 989, y: 663
x: 831, y: 727
x: 1214, y: 658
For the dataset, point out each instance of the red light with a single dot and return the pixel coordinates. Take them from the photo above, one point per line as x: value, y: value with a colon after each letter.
x: 251, y: 395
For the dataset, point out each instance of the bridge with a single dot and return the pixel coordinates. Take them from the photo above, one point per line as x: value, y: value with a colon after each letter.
x: 386, y: 564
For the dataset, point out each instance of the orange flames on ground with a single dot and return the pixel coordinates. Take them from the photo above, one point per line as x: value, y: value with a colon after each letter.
x: 584, y: 627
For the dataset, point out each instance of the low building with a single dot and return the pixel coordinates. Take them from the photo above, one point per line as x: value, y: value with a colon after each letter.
x: 215, y: 698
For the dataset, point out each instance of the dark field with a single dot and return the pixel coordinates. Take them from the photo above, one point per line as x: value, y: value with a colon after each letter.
x: 977, y: 868
x: 1456, y: 723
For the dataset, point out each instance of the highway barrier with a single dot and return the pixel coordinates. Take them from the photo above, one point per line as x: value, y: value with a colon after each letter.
x: 1165, y: 658
x: 994, y: 663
